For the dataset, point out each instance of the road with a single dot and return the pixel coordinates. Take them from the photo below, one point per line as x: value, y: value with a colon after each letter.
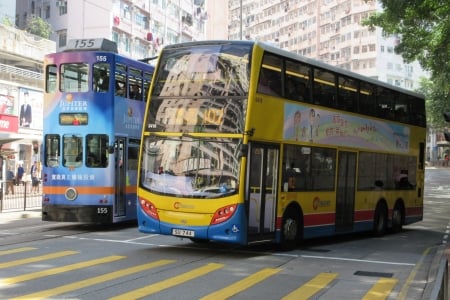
x: 40, y: 260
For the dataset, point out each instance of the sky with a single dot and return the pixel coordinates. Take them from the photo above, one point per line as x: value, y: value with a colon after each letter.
x: 7, y: 7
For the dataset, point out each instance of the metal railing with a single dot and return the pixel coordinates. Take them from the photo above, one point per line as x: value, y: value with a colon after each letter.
x: 19, y: 196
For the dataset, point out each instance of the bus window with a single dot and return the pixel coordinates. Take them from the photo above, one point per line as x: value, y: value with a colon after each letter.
x: 72, y: 150
x: 101, y: 77
x: 52, y: 154
x: 348, y: 93
x: 50, y: 80
x: 309, y: 168
x: 367, y: 102
x: 385, y: 102
x: 270, y: 75
x: 324, y: 89
x: 96, y: 150
x: 401, y: 110
x: 297, y: 81
x: 417, y: 111
x: 74, y: 77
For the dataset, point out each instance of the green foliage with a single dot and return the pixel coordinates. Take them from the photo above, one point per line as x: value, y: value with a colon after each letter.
x: 39, y: 27
x: 7, y: 21
x: 424, y: 28
x: 437, y: 102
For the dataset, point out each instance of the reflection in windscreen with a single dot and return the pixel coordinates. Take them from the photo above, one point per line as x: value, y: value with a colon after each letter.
x: 190, y: 167
x: 203, y: 70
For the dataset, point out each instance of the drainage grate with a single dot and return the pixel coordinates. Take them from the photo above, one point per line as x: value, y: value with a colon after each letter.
x: 373, y: 274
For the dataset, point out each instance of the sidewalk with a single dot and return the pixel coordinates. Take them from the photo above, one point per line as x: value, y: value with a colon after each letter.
x: 8, y: 216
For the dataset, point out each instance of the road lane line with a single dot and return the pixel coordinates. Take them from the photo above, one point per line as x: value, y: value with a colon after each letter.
x: 92, y: 281
x: 311, y: 287
x: 358, y: 260
x: 36, y: 259
x: 170, y: 282
x: 16, y: 250
x: 59, y: 270
x: 241, y: 285
x: 381, y: 289
x: 412, y: 275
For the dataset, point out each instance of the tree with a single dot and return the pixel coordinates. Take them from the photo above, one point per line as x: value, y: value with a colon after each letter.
x: 39, y: 27
x: 437, y: 102
x: 424, y: 28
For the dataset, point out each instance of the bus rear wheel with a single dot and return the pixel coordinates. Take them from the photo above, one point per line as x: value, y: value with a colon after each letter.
x: 291, y: 230
x: 380, y: 221
x: 397, y: 220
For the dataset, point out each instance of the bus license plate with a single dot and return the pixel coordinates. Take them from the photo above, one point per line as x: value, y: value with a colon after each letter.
x: 183, y: 232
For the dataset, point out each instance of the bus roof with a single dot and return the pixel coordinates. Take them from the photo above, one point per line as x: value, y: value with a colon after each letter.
x: 304, y: 59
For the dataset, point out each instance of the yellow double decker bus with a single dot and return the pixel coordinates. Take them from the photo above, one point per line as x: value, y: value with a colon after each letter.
x: 245, y: 143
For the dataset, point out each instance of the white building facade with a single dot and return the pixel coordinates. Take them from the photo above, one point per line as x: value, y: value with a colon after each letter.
x: 140, y: 27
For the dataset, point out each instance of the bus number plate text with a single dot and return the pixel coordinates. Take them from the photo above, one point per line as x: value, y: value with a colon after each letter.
x: 183, y: 232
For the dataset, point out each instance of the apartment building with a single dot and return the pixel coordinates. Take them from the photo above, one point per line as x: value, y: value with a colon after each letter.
x: 140, y: 27
x: 21, y: 96
x: 327, y: 30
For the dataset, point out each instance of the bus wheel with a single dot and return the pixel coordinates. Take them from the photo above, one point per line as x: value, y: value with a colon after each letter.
x: 380, y: 221
x: 397, y: 220
x: 290, y: 230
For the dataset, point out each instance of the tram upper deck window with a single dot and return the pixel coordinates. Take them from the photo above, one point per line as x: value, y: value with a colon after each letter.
x: 50, y: 80
x: 101, y: 77
x: 74, y: 77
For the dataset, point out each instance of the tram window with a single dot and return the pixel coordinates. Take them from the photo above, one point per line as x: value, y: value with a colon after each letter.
x: 147, y: 80
x: 385, y: 102
x: 135, y: 88
x: 101, y: 77
x: 72, y: 150
x: 96, y: 150
x: 50, y: 80
x: 52, y: 150
x: 74, y: 77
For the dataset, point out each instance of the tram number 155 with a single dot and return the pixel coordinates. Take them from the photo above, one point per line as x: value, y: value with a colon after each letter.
x: 102, y: 210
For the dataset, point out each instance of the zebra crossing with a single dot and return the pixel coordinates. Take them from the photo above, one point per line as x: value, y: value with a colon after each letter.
x: 20, y: 267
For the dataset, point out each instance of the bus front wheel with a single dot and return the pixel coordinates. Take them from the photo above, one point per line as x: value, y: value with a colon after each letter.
x: 291, y: 230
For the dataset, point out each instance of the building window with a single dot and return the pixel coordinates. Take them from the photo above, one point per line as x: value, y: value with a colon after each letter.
x: 47, y: 12
x: 62, y: 38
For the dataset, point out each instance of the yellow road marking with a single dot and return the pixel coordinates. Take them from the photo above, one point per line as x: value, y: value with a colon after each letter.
x: 35, y: 259
x: 241, y: 285
x: 381, y: 289
x: 58, y: 270
x: 311, y: 287
x: 412, y: 275
x: 17, y: 250
x: 170, y: 282
x: 93, y: 280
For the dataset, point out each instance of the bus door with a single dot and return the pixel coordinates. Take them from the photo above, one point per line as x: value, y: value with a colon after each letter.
x: 345, y: 196
x: 261, y: 199
x: 120, y: 176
